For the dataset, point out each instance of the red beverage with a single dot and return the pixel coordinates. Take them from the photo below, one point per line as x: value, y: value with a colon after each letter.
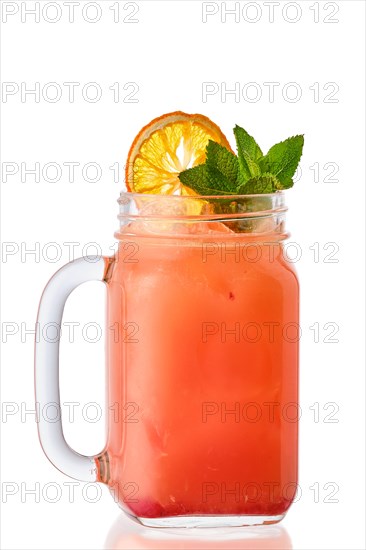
x: 203, y: 359
x: 202, y: 363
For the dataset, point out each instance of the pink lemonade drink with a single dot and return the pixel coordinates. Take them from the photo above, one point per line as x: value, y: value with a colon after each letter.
x: 203, y: 357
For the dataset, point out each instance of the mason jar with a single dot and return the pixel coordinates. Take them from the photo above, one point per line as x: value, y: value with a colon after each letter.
x: 202, y: 362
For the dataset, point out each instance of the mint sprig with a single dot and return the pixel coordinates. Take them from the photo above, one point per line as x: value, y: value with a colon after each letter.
x: 250, y: 172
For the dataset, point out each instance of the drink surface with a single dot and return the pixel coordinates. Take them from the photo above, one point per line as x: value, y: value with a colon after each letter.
x: 203, y: 359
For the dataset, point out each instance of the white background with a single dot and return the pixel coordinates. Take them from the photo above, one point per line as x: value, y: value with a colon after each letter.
x: 169, y: 53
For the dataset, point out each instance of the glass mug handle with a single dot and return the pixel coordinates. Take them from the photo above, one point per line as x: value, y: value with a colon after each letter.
x: 51, y: 307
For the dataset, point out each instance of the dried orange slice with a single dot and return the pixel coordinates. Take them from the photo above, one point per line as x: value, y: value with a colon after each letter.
x: 165, y: 147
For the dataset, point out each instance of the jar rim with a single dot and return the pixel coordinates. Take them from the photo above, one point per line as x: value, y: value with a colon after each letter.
x: 200, y: 207
x: 183, y: 214
x: 133, y: 194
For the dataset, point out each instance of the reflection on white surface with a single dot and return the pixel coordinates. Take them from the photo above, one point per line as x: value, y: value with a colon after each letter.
x: 129, y: 535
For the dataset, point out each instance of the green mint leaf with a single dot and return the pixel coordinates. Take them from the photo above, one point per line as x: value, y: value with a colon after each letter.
x: 282, y: 160
x: 265, y: 183
x: 249, y: 153
x: 219, y: 159
x: 218, y: 176
x: 247, y: 143
x: 200, y: 180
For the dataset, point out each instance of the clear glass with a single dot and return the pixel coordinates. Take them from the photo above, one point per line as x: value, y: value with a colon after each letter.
x: 202, y: 359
